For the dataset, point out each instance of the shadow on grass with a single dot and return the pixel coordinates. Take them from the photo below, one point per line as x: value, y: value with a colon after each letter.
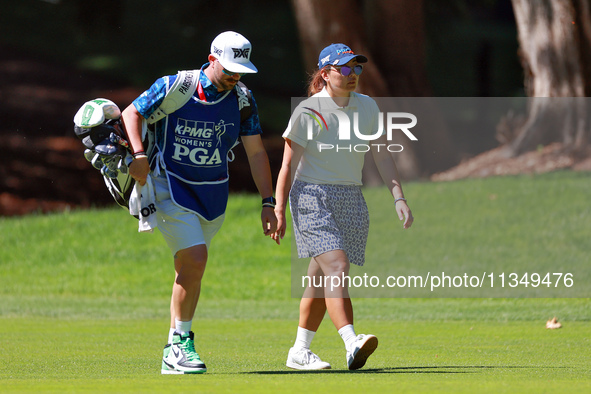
x: 442, y: 369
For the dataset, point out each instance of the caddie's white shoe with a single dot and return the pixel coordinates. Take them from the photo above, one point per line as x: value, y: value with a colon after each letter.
x: 180, y: 357
x: 360, y: 350
x: 304, y: 359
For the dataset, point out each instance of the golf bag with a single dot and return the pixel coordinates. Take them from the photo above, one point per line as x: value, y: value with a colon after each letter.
x: 97, y: 123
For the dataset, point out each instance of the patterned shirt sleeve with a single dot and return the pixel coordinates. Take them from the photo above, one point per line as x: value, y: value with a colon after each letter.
x: 252, y: 124
x: 150, y: 100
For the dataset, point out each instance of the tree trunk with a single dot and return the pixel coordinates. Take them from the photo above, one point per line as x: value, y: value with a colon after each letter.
x: 391, y: 34
x: 396, y: 36
x: 554, y: 38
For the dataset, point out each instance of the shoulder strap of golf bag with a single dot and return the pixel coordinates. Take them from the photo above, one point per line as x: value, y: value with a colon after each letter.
x: 183, y: 89
x: 179, y: 93
x: 244, y: 101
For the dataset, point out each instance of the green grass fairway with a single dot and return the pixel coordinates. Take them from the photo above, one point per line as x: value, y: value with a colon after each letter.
x: 84, y: 299
x: 247, y: 355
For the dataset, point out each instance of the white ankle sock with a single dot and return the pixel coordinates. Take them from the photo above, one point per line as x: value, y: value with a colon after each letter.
x: 170, y: 334
x: 304, y: 338
x: 183, y: 327
x: 348, y: 334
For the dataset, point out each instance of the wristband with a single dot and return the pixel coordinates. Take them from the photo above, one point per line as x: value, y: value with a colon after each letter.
x: 400, y: 199
x: 139, y: 155
x: 269, y: 202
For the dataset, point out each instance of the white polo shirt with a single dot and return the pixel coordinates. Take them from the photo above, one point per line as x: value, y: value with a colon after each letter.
x: 328, y: 159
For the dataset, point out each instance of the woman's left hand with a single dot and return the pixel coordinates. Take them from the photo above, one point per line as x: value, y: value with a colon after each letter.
x: 404, y: 213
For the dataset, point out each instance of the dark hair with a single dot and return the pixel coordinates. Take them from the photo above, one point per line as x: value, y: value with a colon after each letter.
x: 316, y: 83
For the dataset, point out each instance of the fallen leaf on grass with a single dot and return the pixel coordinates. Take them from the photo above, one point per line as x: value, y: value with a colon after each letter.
x: 553, y: 323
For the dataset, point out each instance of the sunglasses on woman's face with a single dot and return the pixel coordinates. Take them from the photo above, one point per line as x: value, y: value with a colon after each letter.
x: 346, y: 70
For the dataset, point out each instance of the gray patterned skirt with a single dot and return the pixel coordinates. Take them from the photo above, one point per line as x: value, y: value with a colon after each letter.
x: 329, y: 217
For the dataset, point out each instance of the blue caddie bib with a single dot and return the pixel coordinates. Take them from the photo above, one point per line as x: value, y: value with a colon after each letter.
x: 197, y: 139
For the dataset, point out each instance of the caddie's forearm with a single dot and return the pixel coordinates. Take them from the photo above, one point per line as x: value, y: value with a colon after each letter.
x: 133, y: 127
x: 261, y: 173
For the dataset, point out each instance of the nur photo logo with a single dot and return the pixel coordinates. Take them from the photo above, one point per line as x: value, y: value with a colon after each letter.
x: 347, y: 129
x: 317, y: 116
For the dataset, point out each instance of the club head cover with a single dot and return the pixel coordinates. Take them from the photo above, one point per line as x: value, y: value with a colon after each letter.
x: 95, y: 112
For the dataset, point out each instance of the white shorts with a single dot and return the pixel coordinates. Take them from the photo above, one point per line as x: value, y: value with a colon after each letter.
x: 181, y: 228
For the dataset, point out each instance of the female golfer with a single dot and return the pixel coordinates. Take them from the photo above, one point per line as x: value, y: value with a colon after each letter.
x: 329, y: 213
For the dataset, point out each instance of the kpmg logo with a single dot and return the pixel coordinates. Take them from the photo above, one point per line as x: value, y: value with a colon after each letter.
x: 343, y: 124
x: 198, y: 143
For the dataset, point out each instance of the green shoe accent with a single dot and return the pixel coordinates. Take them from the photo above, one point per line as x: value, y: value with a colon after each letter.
x: 181, y: 355
x: 187, y: 344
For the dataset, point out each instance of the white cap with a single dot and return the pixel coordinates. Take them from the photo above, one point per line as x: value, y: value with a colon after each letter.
x: 233, y: 52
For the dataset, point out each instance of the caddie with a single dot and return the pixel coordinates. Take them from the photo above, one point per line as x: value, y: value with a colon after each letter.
x: 189, y: 170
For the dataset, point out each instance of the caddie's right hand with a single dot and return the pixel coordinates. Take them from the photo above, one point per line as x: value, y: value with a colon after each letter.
x: 139, y: 170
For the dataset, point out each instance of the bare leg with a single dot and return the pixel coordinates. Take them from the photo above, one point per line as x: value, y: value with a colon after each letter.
x: 336, y: 264
x: 336, y: 299
x: 312, y: 305
x: 189, y: 265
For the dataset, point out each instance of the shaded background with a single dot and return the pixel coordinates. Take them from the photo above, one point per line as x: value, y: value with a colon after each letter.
x: 55, y: 55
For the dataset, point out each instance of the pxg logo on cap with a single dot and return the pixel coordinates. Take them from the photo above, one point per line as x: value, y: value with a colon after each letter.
x: 233, y: 52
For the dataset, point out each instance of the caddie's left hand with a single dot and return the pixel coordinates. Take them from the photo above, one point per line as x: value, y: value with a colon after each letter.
x: 269, y: 220
x: 139, y: 170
